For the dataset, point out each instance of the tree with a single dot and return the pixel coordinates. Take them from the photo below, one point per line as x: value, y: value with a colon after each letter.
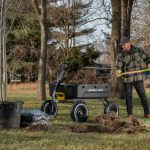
x: 23, y: 40
x: 115, y: 37
x: 23, y: 45
x: 42, y: 17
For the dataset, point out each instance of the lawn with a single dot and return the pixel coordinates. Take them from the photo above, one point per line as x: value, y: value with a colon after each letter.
x: 58, y: 138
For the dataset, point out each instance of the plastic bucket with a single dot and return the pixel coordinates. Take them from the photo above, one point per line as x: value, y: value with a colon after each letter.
x: 10, y: 113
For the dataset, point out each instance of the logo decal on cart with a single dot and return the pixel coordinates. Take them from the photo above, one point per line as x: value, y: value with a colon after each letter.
x: 95, y: 90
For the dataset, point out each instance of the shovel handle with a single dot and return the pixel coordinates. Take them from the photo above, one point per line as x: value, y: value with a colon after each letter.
x: 132, y: 72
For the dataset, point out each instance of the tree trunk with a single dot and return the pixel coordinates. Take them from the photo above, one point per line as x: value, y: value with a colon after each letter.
x: 126, y: 16
x: 42, y: 16
x: 43, y: 54
x: 126, y: 9
x: 121, y: 9
x: 116, y: 33
x: 4, y: 52
x: 3, y: 59
x: 1, y: 51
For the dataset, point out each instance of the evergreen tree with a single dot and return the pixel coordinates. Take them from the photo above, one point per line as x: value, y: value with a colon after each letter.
x: 23, y: 44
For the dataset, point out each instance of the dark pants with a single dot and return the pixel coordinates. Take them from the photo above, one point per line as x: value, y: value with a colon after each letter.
x: 139, y: 86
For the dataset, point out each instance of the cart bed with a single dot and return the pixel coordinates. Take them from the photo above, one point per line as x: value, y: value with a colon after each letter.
x: 82, y: 91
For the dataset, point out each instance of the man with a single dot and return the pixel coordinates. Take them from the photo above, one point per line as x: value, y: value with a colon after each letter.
x: 130, y: 59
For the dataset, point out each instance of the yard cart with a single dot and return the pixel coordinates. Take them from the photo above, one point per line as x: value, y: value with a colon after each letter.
x: 78, y: 94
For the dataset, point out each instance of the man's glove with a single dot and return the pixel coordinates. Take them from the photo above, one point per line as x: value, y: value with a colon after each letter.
x: 118, y: 72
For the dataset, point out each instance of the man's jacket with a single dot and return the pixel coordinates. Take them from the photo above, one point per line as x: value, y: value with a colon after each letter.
x: 136, y: 59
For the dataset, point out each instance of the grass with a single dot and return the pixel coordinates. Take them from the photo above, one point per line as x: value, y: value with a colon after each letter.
x: 60, y: 139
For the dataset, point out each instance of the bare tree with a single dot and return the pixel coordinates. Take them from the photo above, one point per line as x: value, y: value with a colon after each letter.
x: 41, y: 11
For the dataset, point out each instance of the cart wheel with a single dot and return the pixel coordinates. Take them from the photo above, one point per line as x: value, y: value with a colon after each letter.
x: 79, y: 112
x: 50, y: 108
x: 111, y: 108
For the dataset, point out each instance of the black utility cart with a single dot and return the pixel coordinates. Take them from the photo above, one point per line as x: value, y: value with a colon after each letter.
x: 79, y: 94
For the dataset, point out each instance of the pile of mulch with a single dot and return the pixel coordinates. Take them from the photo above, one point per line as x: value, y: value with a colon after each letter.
x: 111, y: 124
x: 83, y: 76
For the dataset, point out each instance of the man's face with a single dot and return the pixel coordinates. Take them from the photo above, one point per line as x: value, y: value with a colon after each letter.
x: 126, y: 46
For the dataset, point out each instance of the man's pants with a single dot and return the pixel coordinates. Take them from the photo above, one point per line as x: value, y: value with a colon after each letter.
x: 139, y: 86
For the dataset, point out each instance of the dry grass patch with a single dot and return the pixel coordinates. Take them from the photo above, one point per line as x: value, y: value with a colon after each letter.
x: 22, y: 86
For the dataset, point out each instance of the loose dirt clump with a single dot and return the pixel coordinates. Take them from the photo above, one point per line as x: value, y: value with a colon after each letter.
x: 111, y: 124
x: 38, y: 127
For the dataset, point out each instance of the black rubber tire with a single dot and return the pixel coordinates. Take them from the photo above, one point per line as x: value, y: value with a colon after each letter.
x: 79, y: 112
x: 111, y: 108
x: 50, y: 108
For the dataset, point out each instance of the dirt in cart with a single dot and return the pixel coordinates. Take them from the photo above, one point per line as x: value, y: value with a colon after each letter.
x: 111, y: 124
x: 86, y: 76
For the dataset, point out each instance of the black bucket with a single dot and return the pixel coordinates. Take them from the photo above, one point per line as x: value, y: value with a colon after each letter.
x: 10, y: 113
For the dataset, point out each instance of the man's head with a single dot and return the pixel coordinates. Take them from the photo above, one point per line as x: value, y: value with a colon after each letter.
x: 125, y: 43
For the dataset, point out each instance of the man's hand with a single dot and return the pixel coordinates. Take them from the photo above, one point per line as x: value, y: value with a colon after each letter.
x: 118, y: 72
x: 148, y: 66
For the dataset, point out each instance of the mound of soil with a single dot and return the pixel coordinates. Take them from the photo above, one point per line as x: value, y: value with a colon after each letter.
x: 111, y: 124
x: 84, y: 76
